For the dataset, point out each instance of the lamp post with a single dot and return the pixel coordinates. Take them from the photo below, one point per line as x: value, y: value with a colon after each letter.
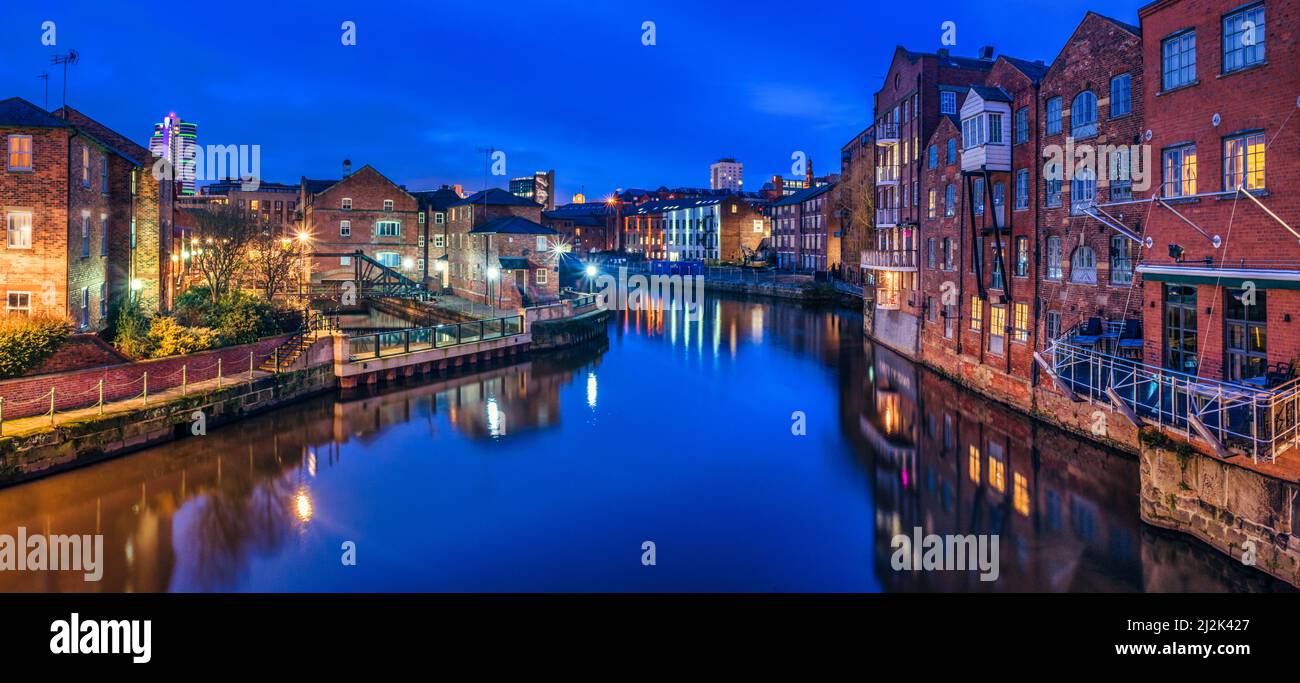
x: 492, y: 274
x: 590, y: 272
x: 303, y: 238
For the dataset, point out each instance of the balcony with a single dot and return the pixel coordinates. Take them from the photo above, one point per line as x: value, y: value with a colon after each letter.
x: 887, y: 217
x: 886, y: 175
x: 894, y: 260
x: 887, y: 134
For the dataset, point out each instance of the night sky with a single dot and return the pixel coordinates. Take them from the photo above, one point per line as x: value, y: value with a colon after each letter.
x: 563, y: 85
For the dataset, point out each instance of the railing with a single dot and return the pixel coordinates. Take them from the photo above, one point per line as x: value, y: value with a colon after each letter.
x: 886, y: 133
x: 886, y: 174
x: 397, y: 342
x: 1260, y: 423
x: 895, y: 258
x: 886, y: 217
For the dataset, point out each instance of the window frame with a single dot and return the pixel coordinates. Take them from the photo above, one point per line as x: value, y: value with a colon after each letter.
x: 1244, y: 156
x: 1260, y: 44
x: 29, y: 230
x: 1170, y: 82
x: 1127, y: 79
x: 10, y: 152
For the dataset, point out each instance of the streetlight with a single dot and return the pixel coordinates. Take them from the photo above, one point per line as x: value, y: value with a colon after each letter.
x: 493, y: 273
x: 303, y: 238
x: 591, y: 271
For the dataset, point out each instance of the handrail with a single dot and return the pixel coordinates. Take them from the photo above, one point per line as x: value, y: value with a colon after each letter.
x: 396, y: 342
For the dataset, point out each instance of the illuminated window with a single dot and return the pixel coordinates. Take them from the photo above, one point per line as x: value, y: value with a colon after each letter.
x: 997, y: 473
x: 1021, y: 331
x: 19, y: 229
x: 540, y: 276
x: 1020, y: 494
x: 1243, y: 162
x: 20, y: 152
x: 974, y: 461
x: 85, y: 166
x: 976, y: 314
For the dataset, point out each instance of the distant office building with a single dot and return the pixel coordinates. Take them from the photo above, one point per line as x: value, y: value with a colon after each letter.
x: 539, y: 187
x: 177, y: 142
x: 726, y: 174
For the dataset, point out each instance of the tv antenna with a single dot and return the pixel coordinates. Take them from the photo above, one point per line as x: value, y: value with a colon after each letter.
x: 71, y: 58
x: 45, y: 76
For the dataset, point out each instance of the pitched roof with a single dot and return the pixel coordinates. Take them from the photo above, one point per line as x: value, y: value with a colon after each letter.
x: 1033, y: 70
x: 991, y: 94
x: 948, y: 59
x: 318, y: 186
x: 105, y: 136
x: 16, y: 111
x: 804, y: 195
x: 513, y: 263
x: 439, y: 199
x: 495, y: 196
x: 513, y: 225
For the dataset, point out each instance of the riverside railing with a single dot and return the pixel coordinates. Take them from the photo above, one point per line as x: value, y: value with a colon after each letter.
x: 396, y: 342
x: 1254, y: 421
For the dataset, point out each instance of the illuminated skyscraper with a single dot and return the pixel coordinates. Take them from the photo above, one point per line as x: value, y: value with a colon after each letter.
x: 177, y: 142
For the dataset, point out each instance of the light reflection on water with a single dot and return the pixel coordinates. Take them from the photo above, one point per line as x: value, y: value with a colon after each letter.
x: 549, y: 475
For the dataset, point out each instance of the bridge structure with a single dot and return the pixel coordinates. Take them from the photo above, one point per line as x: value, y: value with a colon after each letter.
x: 373, y: 279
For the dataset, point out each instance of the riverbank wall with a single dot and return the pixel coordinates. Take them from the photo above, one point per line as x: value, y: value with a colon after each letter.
x: 85, y: 440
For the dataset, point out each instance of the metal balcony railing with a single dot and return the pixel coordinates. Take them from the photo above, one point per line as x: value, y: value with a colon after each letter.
x: 1240, y: 419
x: 897, y: 259
x: 886, y: 175
x: 886, y: 133
x: 886, y: 217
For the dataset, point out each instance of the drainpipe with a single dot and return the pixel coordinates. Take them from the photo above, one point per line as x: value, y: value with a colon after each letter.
x: 1038, y: 257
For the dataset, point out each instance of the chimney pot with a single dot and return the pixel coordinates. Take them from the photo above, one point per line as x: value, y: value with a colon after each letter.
x: 986, y: 53
x: 347, y: 167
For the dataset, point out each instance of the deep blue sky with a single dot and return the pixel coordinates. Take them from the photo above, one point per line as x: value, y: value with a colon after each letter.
x: 563, y: 85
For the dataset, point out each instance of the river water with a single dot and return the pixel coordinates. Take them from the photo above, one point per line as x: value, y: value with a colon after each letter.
x: 553, y: 474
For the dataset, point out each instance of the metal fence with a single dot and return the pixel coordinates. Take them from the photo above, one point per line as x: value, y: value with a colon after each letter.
x: 1246, y: 420
x: 396, y: 342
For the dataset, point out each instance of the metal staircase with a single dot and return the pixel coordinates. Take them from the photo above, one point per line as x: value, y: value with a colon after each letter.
x: 283, y: 357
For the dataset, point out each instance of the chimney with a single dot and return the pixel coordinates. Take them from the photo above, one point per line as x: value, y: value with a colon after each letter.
x: 347, y: 167
x: 808, y: 174
x: 986, y: 53
x: 943, y: 53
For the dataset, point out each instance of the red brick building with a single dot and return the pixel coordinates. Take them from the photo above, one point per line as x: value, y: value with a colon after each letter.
x: 1091, y: 102
x: 806, y: 230
x: 74, y: 202
x: 856, y: 203
x: 434, y: 207
x: 499, y: 252
x: 587, y: 227
x: 1222, y: 288
x: 366, y: 212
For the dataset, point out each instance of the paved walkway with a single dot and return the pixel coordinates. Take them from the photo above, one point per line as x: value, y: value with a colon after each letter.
x: 41, y: 423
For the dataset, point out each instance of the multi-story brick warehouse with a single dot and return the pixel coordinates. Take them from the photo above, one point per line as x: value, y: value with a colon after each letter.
x: 366, y: 212
x: 66, y: 190
x: 806, y: 230
x: 499, y: 252
x: 1091, y: 102
x: 919, y: 89
x: 1222, y: 281
x: 856, y: 204
x: 979, y: 223
x: 274, y: 204
x: 587, y: 227
x: 434, y: 205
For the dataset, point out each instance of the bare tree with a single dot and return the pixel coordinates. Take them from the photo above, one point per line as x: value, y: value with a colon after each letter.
x: 224, y: 234
x: 272, y: 261
x: 856, y: 204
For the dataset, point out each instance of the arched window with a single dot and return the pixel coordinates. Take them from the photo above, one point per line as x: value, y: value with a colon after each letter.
x: 1083, y: 266
x: 1083, y: 115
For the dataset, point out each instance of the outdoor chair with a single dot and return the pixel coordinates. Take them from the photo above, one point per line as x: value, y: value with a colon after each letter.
x: 1090, y: 333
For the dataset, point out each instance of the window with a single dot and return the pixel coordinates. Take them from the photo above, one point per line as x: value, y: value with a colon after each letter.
x: 388, y: 205
x: 1121, y: 95
x: 978, y: 193
x: 421, y: 219
x: 1243, y: 162
x: 539, y: 276
x: 85, y: 306
x: 997, y: 329
x: 133, y: 232
x: 1180, y: 328
x: 1179, y: 171
x: 1022, y: 189
x: 19, y: 229
x: 1083, y: 266
x: 1178, y: 60
x: 19, y: 303
x: 947, y: 102
x: 439, y: 218
x: 345, y: 261
x: 1242, y: 46
x: 20, y: 153
x: 949, y: 253
x: 997, y: 468
x: 1083, y: 115
x: 976, y: 314
x: 973, y: 462
x: 931, y: 253
x: 85, y: 166
x: 541, y: 243
x: 999, y: 201
x: 345, y: 228
x: 1121, y: 260
x: 420, y: 241
x: 1083, y: 190
x: 994, y: 128
x: 932, y: 207
x: 347, y: 203
x: 391, y: 259
x: 1052, y: 325
x: 1022, y: 257
x: 952, y: 151
x: 1246, y: 327
x: 438, y: 241
x: 916, y: 193
x: 998, y: 282
x: 103, y: 174
x: 1053, y: 198
x: 1121, y: 175
x: 1021, y: 332
x: 103, y: 299
x: 85, y: 236
x: 388, y: 229
x: 419, y: 265
x: 103, y: 235
x: 932, y: 155
x: 1022, y: 125
x: 1054, y: 116
x: 950, y: 200
x: 1054, y: 258
x: 1020, y: 494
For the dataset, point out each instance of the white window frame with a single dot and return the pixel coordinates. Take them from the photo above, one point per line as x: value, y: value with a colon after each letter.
x: 346, y: 204
x: 439, y: 242
x: 388, y: 205
x: 10, y: 308
x: 381, y: 225
x: 539, y: 276
x: 27, y: 232
x: 345, y: 228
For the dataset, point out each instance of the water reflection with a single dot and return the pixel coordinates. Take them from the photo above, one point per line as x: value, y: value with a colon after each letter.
x: 678, y: 430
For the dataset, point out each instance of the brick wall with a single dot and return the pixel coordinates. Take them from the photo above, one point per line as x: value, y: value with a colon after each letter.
x: 466, y: 257
x: 29, y: 396
x: 324, y: 216
x: 42, y: 270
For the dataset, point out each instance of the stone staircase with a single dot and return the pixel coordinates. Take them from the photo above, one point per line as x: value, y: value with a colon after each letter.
x: 285, y: 355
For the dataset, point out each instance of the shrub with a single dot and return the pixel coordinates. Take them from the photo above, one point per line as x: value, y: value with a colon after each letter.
x: 127, y: 329
x: 242, y: 319
x: 27, y: 340
x: 170, y: 338
x: 194, y: 307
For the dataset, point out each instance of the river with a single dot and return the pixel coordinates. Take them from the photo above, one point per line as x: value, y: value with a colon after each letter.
x: 555, y: 474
